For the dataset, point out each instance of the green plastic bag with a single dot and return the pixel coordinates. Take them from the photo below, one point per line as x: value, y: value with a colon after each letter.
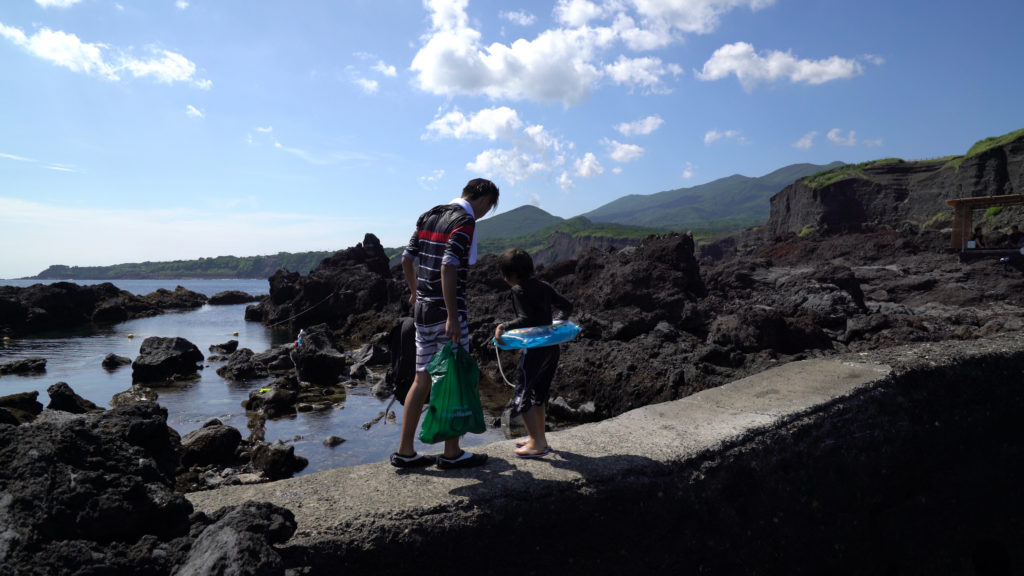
x: 454, y: 396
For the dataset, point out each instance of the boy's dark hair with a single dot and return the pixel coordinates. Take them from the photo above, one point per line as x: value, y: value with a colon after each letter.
x: 515, y: 262
x: 480, y: 187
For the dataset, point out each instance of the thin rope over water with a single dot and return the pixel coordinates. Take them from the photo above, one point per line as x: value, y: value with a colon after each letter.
x: 304, y: 311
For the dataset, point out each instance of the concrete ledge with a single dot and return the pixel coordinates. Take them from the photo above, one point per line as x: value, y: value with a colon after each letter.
x: 787, y: 470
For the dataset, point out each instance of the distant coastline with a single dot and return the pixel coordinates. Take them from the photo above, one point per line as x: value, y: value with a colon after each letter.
x: 220, y: 267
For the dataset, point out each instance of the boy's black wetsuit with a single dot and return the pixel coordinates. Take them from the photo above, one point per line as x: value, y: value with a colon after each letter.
x: 532, y: 300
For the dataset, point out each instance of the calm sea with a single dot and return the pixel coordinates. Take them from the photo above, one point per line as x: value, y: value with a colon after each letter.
x: 74, y: 357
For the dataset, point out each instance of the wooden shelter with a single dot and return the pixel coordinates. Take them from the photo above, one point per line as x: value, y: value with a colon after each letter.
x: 963, y: 208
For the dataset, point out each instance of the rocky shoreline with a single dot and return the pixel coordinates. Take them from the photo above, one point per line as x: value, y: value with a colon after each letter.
x: 661, y: 321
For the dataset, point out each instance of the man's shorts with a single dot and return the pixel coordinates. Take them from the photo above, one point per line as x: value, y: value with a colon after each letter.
x: 431, y: 338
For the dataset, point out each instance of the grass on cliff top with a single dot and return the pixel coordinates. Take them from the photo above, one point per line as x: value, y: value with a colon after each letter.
x: 822, y: 179
x: 827, y: 177
x: 982, y: 146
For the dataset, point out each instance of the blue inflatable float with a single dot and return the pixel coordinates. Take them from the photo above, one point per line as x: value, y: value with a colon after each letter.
x: 538, y: 336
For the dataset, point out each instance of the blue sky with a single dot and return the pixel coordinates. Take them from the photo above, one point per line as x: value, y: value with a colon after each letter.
x: 163, y: 129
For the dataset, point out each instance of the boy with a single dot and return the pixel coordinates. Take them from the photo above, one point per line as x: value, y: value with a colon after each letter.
x: 532, y: 300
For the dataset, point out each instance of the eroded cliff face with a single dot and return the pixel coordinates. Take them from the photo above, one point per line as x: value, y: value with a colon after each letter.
x: 889, y: 193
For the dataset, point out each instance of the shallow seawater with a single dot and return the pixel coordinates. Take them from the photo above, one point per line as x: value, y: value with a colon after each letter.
x: 75, y: 356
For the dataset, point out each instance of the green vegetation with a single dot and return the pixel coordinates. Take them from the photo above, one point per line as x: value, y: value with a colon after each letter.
x: 576, y: 227
x: 828, y: 177
x: 993, y: 211
x: 985, y: 145
x: 939, y: 221
x: 807, y: 231
x: 219, y: 267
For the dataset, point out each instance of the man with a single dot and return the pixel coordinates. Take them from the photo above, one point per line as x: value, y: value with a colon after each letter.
x: 445, y: 245
x: 1015, y: 238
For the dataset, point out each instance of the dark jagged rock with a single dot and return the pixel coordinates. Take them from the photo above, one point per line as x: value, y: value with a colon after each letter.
x: 232, y: 297
x: 179, y: 298
x: 63, y: 398
x: 134, y: 394
x: 24, y: 406
x: 318, y: 359
x: 212, y: 443
x: 95, y: 494
x: 60, y: 305
x: 24, y: 366
x: 113, y: 361
x: 239, y: 540
x: 166, y: 360
x: 225, y: 348
x: 242, y: 366
x: 347, y: 289
x: 277, y: 460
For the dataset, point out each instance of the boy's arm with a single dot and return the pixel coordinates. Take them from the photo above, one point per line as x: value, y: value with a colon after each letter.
x: 562, y: 303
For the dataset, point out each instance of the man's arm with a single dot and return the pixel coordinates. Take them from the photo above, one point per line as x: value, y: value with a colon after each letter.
x: 409, y: 268
x: 449, y: 287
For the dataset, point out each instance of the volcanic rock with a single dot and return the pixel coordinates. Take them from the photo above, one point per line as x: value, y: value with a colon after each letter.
x: 166, y: 359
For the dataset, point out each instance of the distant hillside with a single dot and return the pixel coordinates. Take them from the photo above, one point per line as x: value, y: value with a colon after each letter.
x: 516, y: 222
x: 727, y: 203
x: 219, y: 267
x: 581, y: 231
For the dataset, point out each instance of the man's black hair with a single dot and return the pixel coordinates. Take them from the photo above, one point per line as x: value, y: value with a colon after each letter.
x: 517, y: 263
x: 480, y: 187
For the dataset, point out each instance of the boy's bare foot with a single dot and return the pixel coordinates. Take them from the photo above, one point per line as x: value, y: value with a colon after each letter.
x: 532, y: 452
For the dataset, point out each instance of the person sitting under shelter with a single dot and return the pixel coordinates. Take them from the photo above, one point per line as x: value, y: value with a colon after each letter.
x: 1016, y: 238
x: 978, y: 239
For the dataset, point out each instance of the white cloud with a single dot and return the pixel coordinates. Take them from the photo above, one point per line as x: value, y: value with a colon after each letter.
x: 368, y: 86
x: 622, y: 152
x: 691, y: 16
x: 562, y: 64
x: 512, y: 165
x: 752, y: 69
x: 68, y: 51
x: 193, y: 112
x: 588, y: 166
x: 431, y: 182
x: 873, y: 143
x: 13, y: 157
x: 646, y: 72
x: 565, y: 182
x: 57, y: 3
x: 806, y: 141
x: 520, y: 17
x: 577, y: 13
x: 689, y: 170
x: 385, y: 69
x: 555, y: 67
x: 181, y: 4
x: 835, y: 136
x: 640, y: 127
x: 490, y: 123
x: 714, y: 135
x: 265, y: 130
x: 322, y: 158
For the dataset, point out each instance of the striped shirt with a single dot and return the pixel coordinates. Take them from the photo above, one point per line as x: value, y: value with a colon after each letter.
x: 443, y: 235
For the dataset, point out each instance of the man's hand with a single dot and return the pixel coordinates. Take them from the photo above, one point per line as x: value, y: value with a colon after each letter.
x: 497, y: 334
x: 453, y: 329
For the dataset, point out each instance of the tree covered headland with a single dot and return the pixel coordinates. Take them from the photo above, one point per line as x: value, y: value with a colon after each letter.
x: 218, y: 267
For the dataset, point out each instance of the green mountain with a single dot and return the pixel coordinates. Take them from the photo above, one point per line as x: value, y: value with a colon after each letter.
x: 519, y: 221
x: 578, y: 227
x: 727, y: 203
